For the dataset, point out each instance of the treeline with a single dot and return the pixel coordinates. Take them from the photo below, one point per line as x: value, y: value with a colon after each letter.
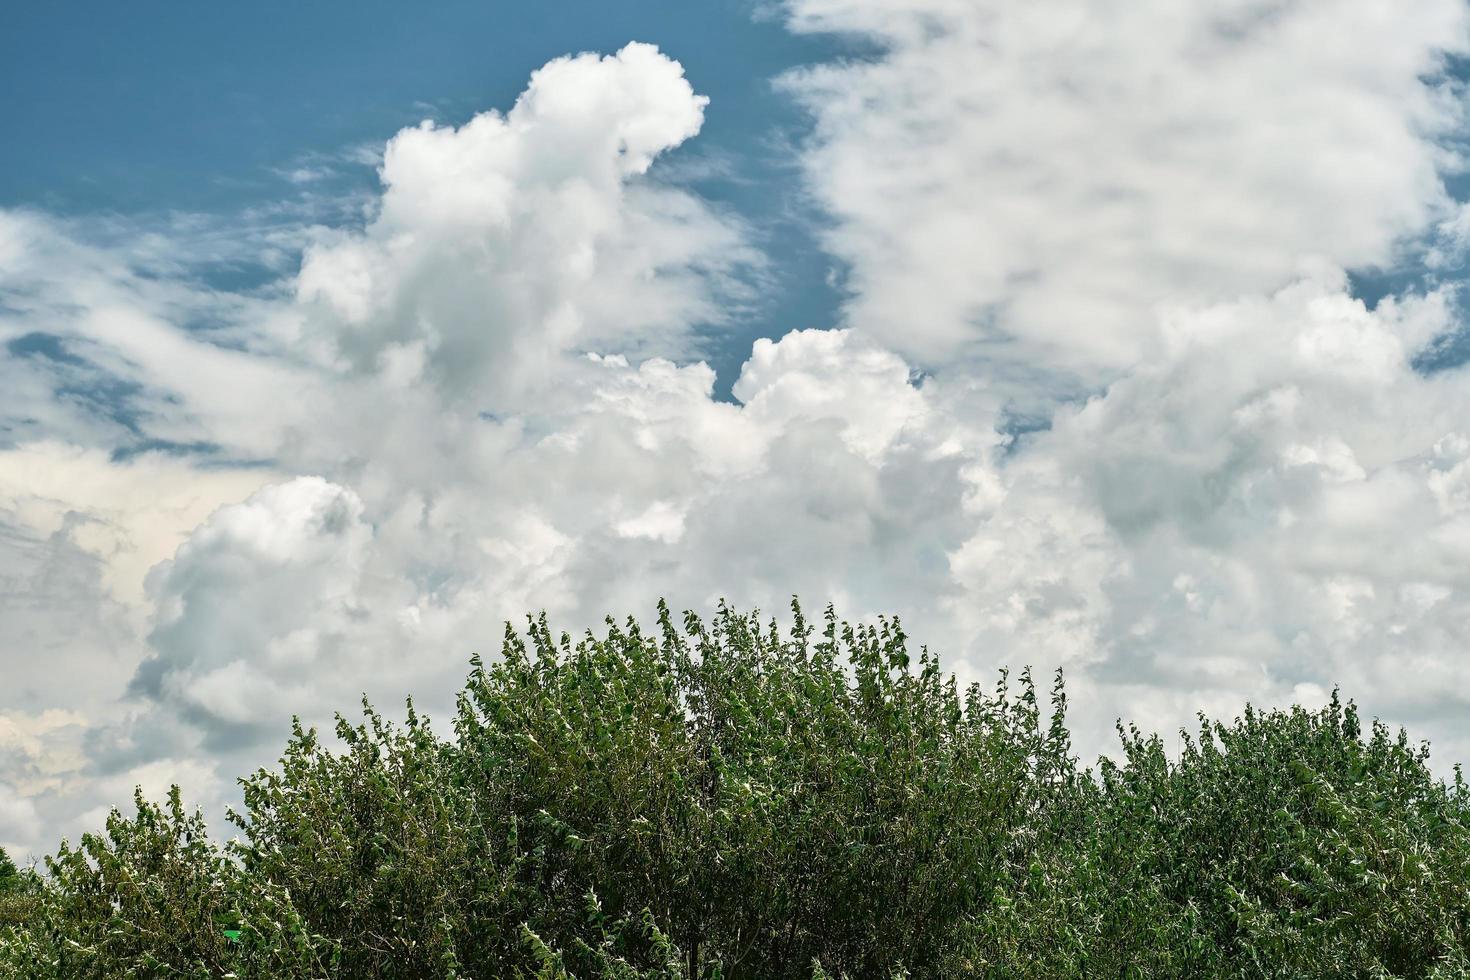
x: 722, y: 800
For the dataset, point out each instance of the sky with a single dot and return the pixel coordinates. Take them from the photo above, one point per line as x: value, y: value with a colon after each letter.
x: 1118, y: 338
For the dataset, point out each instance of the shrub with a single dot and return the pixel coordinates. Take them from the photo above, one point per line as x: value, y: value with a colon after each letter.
x: 721, y: 800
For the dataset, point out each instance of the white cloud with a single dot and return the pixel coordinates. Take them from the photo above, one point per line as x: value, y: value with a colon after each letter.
x: 516, y: 237
x: 1028, y: 183
x: 22, y: 825
x: 134, y: 513
x: 117, y: 346
x: 256, y: 602
x: 662, y: 521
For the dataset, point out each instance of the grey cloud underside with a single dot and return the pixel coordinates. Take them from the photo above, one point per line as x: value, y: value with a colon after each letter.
x: 1103, y: 400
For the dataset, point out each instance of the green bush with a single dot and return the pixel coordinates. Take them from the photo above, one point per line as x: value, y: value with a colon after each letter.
x: 720, y: 800
x: 18, y: 892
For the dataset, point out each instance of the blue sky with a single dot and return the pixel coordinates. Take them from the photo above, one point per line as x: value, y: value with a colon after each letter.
x: 1124, y: 339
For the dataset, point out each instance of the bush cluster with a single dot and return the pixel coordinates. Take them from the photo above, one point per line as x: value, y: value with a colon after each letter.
x: 724, y: 801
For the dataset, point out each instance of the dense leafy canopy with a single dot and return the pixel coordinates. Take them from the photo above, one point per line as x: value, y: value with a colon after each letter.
x: 721, y: 800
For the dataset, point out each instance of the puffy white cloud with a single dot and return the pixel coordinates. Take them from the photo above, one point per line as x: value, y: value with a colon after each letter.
x: 79, y: 532
x: 1028, y: 183
x: 1151, y: 204
x: 513, y: 238
x: 1266, y: 508
x: 256, y: 604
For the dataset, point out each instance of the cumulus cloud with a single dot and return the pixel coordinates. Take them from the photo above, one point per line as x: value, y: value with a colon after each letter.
x: 1264, y: 509
x: 255, y: 604
x: 1028, y: 183
x: 514, y: 238
x: 79, y: 532
x: 1131, y: 220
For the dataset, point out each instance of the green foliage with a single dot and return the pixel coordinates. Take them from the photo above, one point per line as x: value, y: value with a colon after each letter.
x: 150, y: 897
x: 718, y: 800
x: 9, y: 874
x: 18, y: 892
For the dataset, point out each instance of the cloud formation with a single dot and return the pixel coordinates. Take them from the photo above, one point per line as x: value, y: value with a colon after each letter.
x: 1029, y: 183
x: 485, y: 399
x: 506, y: 242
